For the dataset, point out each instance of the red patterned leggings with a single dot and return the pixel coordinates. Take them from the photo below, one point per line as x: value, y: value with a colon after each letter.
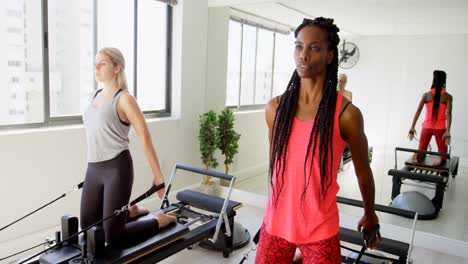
x: 273, y: 249
x: 426, y: 135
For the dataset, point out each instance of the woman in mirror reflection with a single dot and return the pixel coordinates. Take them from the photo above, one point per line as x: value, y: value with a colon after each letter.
x: 438, y: 118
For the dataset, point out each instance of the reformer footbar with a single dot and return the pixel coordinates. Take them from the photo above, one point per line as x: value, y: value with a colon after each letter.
x: 223, y: 217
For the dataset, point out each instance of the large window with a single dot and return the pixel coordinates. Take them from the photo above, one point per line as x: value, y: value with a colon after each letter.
x: 260, y: 63
x: 284, y: 62
x: 21, y: 69
x: 234, y: 63
x: 264, y: 66
x: 71, y: 56
x: 249, y: 48
x: 50, y: 89
x: 152, y: 51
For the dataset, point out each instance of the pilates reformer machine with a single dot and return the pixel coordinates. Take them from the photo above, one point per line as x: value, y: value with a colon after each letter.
x: 389, y: 251
x: 199, y: 216
x: 422, y: 174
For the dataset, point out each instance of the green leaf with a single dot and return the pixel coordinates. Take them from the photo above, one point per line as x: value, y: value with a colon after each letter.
x: 207, y: 138
x: 227, y: 137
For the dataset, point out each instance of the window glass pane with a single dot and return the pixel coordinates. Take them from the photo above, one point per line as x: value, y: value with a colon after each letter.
x: 21, y: 71
x: 234, y: 60
x: 71, y: 38
x: 248, y: 65
x: 284, y: 62
x: 151, y: 62
x: 116, y: 29
x: 264, y: 66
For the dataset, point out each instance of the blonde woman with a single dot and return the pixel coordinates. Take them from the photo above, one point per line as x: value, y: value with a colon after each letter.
x: 342, y: 80
x: 109, y: 177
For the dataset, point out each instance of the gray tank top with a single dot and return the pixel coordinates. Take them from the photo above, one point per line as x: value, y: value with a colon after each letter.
x: 106, y: 134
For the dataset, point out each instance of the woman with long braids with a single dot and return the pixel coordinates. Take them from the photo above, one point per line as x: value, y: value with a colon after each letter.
x: 309, y: 125
x: 438, y: 117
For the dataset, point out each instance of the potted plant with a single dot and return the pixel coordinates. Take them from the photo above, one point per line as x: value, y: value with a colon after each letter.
x: 207, y: 138
x: 227, y: 137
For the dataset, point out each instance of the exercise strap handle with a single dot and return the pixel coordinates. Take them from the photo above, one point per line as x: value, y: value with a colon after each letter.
x: 368, y: 241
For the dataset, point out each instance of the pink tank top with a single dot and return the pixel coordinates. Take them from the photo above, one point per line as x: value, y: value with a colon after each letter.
x: 309, y: 220
x: 440, y: 122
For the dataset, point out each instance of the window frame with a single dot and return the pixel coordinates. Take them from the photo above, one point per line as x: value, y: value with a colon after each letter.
x: 257, y: 26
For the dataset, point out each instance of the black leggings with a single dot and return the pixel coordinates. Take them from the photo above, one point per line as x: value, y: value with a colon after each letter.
x: 107, y: 188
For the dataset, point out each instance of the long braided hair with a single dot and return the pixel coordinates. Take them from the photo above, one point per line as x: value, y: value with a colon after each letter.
x: 323, y: 127
x: 438, y: 83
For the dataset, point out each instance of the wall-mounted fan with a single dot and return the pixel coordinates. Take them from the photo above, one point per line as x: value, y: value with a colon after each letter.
x: 348, y: 55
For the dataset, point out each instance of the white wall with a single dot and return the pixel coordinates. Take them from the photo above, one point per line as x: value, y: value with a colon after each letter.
x: 216, y: 63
